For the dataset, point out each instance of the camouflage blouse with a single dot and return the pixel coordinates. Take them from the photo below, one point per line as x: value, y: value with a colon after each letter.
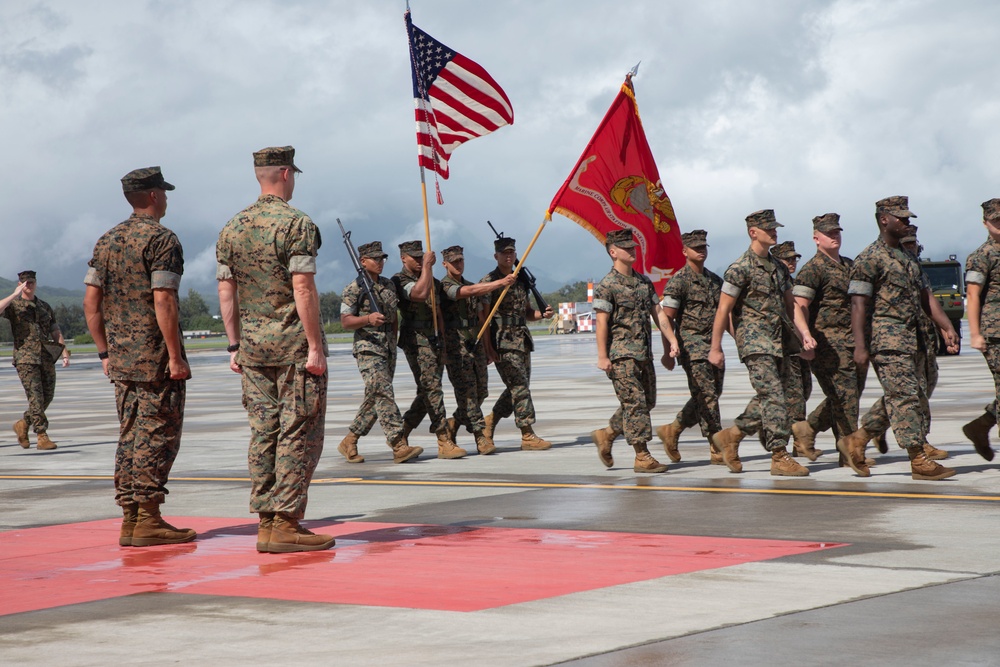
x: 892, y: 279
x: 381, y: 340
x: 629, y: 300
x: 416, y: 321
x: 695, y: 297
x: 31, y: 322
x: 461, y: 316
x: 510, y: 325
x: 130, y: 261
x: 759, y: 316
x: 824, y: 282
x: 260, y: 248
x: 983, y: 268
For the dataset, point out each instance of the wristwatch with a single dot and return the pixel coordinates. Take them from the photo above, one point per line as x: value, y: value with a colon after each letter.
x: 232, y: 348
x: 102, y: 355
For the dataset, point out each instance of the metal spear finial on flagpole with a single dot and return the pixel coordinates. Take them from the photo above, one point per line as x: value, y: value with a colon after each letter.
x: 635, y: 70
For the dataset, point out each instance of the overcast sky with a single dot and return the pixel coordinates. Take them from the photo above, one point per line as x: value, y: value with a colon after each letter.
x: 803, y: 107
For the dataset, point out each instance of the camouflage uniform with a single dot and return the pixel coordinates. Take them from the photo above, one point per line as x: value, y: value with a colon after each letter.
x: 467, y: 369
x: 628, y: 300
x: 130, y: 261
x: 983, y: 268
x: 513, y: 344
x: 374, y: 349
x: 31, y: 322
x: 695, y: 297
x: 765, y: 340
x: 260, y: 249
x: 893, y: 281
x: 824, y: 283
x: 416, y: 330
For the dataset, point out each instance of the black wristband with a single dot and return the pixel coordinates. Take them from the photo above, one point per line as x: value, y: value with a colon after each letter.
x: 102, y: 355
x: 233, y: 347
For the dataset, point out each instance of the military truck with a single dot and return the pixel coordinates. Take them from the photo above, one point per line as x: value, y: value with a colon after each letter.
x: 948, y: 285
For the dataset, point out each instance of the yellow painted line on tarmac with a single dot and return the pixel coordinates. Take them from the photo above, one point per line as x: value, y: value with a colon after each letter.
x: 563, y: 485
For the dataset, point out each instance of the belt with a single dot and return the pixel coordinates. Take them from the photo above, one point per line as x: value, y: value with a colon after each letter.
x: 510, y: 320
x: 459, y: 323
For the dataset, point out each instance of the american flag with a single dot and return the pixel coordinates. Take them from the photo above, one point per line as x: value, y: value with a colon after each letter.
x: 456, y: 99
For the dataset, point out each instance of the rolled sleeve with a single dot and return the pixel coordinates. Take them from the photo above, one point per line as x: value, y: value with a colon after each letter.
x: 223, y: 272
x: 451, y: 291
x: 731, y: 289
x: 346, y: 308
x: 165, y: 280
x: 603, y: 305
x: 860, y: 288
x: 804, y: 292
x: 670, y: 302
x: 302, y: 264
x: 975, y: 277
x: 92, y: 278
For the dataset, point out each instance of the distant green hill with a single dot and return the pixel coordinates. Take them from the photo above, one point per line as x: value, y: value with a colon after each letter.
x: 56, y: 296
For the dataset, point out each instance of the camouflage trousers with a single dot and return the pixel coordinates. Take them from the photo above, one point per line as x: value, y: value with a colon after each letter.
x: 800, y: 387
x: 767, y: 412
x: 151, y: 415
x: 904, y: 405
x: 705, y: 383
x: 425, y: 364
x: 286, y: 407
x: 876, y: 421
x: 468, y: 374
x: 992, y: 355
x: 514, y: 368
x: 39, y: 382
x: 842, y: 383
x: 380, y: 400
x: 635, y: 386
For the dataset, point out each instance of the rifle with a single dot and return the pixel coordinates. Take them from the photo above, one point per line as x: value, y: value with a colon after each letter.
x: 363, y: 279
x: 525, y: 277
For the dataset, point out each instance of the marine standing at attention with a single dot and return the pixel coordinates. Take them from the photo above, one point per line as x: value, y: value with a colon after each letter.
x: 624, y: 301
x: 131, y: 308
x: 266, y: 267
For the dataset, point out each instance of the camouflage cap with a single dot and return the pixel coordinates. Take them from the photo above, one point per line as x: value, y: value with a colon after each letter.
x: 371, y: 250
x: 897, y: 206
x: 276, y: 156
x: 763, y: 219
x: 452, y: 253
x: 25, y: 276
x: 139, y: 180
x: 412, y: 248
x: 828, y: 222
x: 695, y: 239
x: 911, y: 235
x: 785, y: 251
x: 503, y: 243
x: 621, y: 238
x: 991, y: 209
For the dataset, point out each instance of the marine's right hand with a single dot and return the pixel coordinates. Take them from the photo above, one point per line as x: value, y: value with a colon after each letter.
x: 179, y: 369
x: 978, y: 342
x: 376, y: 319
x: 861, y: 357
x: 717, y: 358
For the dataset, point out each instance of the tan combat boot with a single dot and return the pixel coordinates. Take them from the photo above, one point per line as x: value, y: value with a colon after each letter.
x: 264, y: 531
x: 922, y: 467
x: 978, y: 432
x: 151, y: 530
x: 644, y: 462
x: 531, y: 442
x: 447, y: 449
x: 604, y: 438
x: 348, y: 448
x: 484, y: 445
x: 783, y: 465
x: 932, y: 452
x: 714, y: 455
x: 130, y: 515
x: 21, y: 429
x: 852, y: 449
x: 491, y: 425
x: 452, y: 425
x: 727, y: 441
x: 402, y: 452
x: 287, y: 536
x: 804, y: 441
x: 881, y: 444
x: 44, y: 443
x: 669, y: 435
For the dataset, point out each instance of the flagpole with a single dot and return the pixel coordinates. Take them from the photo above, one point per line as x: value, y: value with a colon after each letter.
x: 427, y: 234
x: 517, y: 269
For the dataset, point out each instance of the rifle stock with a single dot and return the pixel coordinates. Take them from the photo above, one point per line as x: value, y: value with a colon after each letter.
x: 363, y: 276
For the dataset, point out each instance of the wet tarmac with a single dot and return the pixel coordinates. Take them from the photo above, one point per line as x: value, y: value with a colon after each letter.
x: 521, y: 558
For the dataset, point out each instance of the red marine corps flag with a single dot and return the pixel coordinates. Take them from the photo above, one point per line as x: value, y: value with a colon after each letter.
x: 615, y: 185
